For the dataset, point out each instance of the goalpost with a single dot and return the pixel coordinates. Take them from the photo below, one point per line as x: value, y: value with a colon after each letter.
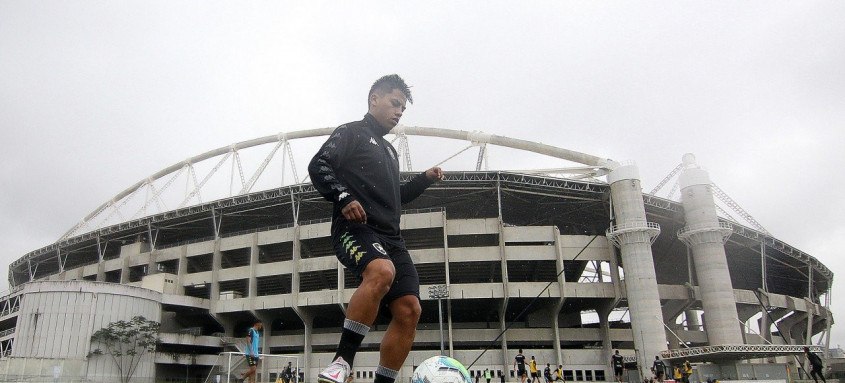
x: 231, y: 365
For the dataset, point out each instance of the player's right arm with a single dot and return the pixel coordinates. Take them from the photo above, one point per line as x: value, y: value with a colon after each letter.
x: 323, y: 171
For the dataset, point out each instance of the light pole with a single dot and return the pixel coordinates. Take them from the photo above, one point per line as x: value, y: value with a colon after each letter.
x: 439, y: 292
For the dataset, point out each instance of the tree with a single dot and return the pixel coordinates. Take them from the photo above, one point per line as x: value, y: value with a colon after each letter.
x: 126, y: 342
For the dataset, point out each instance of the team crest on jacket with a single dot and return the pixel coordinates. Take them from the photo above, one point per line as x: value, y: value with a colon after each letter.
x: 380, y: 249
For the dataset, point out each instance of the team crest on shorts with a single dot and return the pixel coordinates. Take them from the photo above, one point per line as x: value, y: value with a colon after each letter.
x: 378, y: 247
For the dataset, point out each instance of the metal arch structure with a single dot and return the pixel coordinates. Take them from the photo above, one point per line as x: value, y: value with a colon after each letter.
x: 719, y: 194
x: 593, y: 166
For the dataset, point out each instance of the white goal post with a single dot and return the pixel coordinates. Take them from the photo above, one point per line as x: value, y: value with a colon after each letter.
x: 231, y: 365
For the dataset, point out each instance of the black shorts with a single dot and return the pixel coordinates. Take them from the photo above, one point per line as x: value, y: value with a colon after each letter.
x: 252, y: 360
x: 356, y: 245
x: 520, y: 371
x: 618, y: 371
x: 534, y: 374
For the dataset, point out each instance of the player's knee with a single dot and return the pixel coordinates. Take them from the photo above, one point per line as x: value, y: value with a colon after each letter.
x: 407, y: 311
x: 379, y: 275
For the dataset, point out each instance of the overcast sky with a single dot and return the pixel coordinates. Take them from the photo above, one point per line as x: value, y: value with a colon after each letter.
x: 96, y: 95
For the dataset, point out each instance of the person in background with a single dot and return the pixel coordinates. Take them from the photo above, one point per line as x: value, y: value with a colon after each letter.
x: 816, y: 365
x: 253, y: 339
x: 532, y: 367
x: 618, y: 363
x: 687, y: 372
x: 658, y: 368
x: 287, y: 373
x: 519, y: 366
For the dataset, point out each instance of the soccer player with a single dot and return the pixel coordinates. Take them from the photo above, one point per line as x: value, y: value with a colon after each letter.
x: 519, y: 366
x: 532, y: 366
x: 253, y: 339
x: 618, y: 364
x: 658, y: 368
x: 816, y: 365
x: 358, y: 170
x: 547, y: 373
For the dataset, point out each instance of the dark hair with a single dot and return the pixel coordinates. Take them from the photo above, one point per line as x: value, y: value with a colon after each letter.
x: 388, y: 83
x: 256, y: 322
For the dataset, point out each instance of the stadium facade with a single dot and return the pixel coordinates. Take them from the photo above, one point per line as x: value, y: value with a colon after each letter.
x: 573, y: 269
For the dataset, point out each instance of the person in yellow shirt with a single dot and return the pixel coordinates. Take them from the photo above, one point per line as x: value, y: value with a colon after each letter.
x: 532, y: 366
x: 687, y: 372
x: 677, y: 374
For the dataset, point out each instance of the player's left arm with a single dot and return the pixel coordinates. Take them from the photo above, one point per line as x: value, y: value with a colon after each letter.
x: 412, y: 189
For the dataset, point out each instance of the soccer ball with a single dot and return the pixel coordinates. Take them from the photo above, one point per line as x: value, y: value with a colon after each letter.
x: 441, y: 369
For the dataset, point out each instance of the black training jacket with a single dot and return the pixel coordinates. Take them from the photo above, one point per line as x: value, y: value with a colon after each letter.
x: 357, y: 163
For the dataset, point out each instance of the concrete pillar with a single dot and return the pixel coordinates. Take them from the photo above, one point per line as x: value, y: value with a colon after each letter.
x: 561, y: 281
x: 182, y: 270
x: 706, y: 237
x: 124, y: 269
x: 448, y: 306
x: 693, y: 321
x: 604, y: 326
x: 216, y: 263
x: 308, y: 321
x: 252, y: 283
x: 634, y: 235
x: 505, y: 281
x: 101, y: 266
x: 503, y: 323
x: 101, y: 271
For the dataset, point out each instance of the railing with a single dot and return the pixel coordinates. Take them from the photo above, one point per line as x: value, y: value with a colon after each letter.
x: 632, y: 226
x: 314, y: 221
x: 260, y: 229
x: 692, y: 229
x: 186, y: 242
x: 633, y: 232
x: 196, y: 331
x: 752, y: 349
x: 7, y: 332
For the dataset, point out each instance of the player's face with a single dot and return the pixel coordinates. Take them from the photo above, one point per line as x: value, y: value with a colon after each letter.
x: 259, y: 326
x: 388, y: 108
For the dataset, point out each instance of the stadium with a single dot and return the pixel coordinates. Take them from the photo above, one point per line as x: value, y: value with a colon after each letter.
x: 568, y: 261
